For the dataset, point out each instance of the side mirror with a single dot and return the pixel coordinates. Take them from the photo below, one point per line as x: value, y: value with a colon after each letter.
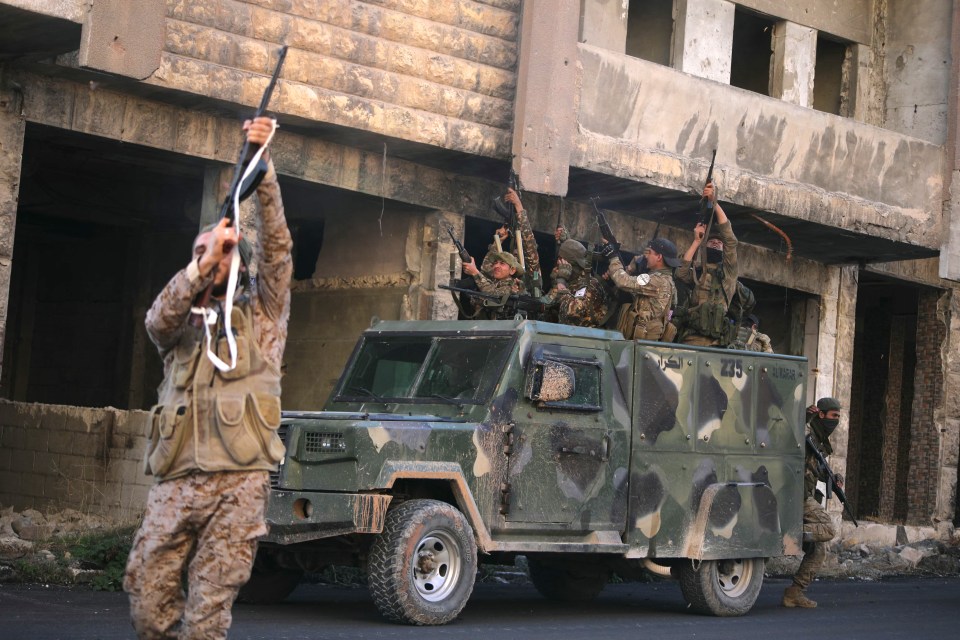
x: 550, y: 381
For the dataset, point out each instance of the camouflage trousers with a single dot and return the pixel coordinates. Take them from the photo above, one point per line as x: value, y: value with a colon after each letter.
x: 208, y: 524
x: 818, y: 530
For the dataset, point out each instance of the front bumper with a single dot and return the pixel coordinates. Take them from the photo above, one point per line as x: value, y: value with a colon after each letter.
x: 300, y: 516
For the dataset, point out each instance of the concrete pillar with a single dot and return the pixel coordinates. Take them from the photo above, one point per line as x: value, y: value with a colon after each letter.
x: 703, y: 38
x: 545, y: 110
x: 947, y: 502
x: 856, y: 90
x: 950, y: 249
x: 12, y: 128
x: 793, y: 64
x: 438, y: 303
x: 838, y: 316
x: 603, y: 23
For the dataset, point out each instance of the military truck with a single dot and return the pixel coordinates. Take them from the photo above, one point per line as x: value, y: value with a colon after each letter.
x: 445, y: 444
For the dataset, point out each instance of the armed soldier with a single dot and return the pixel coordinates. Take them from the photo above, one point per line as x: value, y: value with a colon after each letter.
x: 818, y: 529
x: 580, y: 298
x: 654, y: 292
x: 704, y: 321
x: 213, y: 438
x: 749, y: 337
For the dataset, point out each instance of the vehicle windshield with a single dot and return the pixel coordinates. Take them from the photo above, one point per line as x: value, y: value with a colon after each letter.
x: 454, y: 370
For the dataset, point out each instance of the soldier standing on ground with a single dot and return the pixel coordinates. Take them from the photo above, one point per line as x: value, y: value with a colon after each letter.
x: 704, y: 322
x: 818, y: 528
x: 213, y: 437
x: 653, y: 292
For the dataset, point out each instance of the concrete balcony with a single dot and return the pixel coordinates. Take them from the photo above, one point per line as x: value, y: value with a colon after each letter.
x: 844, y: 191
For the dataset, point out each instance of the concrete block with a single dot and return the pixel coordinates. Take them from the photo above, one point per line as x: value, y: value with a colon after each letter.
x: 703, y: 38
x: 21, y: 461
x: 36, y: 440
x: 124, y: 38
x: 869, y: 533
x: 31, y: 484
x: 61, y: 441
x: 12, y: 436
x: 47, y: 464
x: 9, y: 484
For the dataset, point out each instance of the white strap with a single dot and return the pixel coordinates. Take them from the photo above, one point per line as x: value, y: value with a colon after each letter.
x: 209, y: 315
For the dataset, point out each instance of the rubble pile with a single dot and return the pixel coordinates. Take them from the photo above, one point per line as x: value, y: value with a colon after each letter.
x: 27, y: 537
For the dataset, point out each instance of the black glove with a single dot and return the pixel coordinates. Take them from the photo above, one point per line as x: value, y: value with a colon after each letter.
x: 607, y: 250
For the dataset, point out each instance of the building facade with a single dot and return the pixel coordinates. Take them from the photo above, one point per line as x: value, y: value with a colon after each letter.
x: 834, y: 121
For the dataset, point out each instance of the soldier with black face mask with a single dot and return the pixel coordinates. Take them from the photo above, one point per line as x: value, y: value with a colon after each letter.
x: 704, y: 319
x: 818, y: 529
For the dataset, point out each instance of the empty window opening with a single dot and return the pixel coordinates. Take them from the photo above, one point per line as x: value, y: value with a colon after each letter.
x: 752, y: 52
x: 828, y: 74
x: 650, y: 30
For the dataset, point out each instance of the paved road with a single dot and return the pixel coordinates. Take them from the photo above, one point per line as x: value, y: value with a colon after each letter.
x: 913, y: 609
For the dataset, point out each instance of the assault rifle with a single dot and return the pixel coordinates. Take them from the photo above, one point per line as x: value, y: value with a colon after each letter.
x: 511, y: 304
x: 247, y: 152
x: 832, y: 486
x: 705, y: 203
x: 464, y: 256
x: 244, y: 186
x: 605, y: 231
x: 503, y: 209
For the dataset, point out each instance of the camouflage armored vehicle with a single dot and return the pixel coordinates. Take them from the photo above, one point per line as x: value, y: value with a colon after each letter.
x: 449, y: 443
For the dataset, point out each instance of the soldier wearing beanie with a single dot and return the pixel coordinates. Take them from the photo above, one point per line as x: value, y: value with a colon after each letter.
x: 818, y: 529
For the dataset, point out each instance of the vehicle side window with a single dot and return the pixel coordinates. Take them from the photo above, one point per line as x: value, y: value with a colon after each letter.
x: 585, y: 393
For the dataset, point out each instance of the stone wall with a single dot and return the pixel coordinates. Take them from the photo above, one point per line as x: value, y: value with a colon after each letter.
x: 54, y: 457
x: 440, y: 73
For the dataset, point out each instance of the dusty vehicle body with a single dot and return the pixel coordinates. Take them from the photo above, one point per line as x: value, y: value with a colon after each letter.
x: 445, y: 442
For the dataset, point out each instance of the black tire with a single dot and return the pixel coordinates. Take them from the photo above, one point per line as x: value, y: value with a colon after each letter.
x: 567, y: 580
x: 423, y: 565
x: 722, y: 587
x: 269, y: 586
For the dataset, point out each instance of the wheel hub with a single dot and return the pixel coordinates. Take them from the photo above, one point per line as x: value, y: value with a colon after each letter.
x: 734, y: 576
x: 437, y: 566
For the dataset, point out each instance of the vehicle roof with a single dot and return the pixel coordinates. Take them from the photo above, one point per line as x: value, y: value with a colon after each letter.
x: 488, y: 327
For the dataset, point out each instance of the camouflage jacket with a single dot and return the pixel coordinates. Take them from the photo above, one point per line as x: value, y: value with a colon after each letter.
x: 585, y: 306
x: 197, y: 402
x: 654, y: 295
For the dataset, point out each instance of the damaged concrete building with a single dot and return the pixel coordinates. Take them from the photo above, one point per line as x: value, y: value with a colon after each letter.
x: 835, y: 120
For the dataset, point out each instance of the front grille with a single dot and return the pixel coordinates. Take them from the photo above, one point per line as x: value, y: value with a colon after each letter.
x: 320, y: 442
x: 275, y: 475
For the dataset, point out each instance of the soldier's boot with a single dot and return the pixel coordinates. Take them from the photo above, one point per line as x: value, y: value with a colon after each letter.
x: 794, y: 597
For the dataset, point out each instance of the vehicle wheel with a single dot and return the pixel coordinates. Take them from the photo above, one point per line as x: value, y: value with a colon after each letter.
x: 423, y: 565
x: 567, y: 581
x: 722, y: 587
x: 269, y: 584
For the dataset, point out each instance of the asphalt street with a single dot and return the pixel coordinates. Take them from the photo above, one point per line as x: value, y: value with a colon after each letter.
x: 913, y: 609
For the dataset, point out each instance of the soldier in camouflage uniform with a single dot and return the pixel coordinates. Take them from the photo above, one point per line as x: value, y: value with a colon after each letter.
x: 212, y: 436
x: 818, y: 528
x: 653, y: 293
x: 749, y: 337
x: 501, y: 282
x: 704, y: 321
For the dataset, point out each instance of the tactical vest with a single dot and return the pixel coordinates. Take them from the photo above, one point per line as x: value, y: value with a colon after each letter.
x: 209, y: 420
x: 709, y: 318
